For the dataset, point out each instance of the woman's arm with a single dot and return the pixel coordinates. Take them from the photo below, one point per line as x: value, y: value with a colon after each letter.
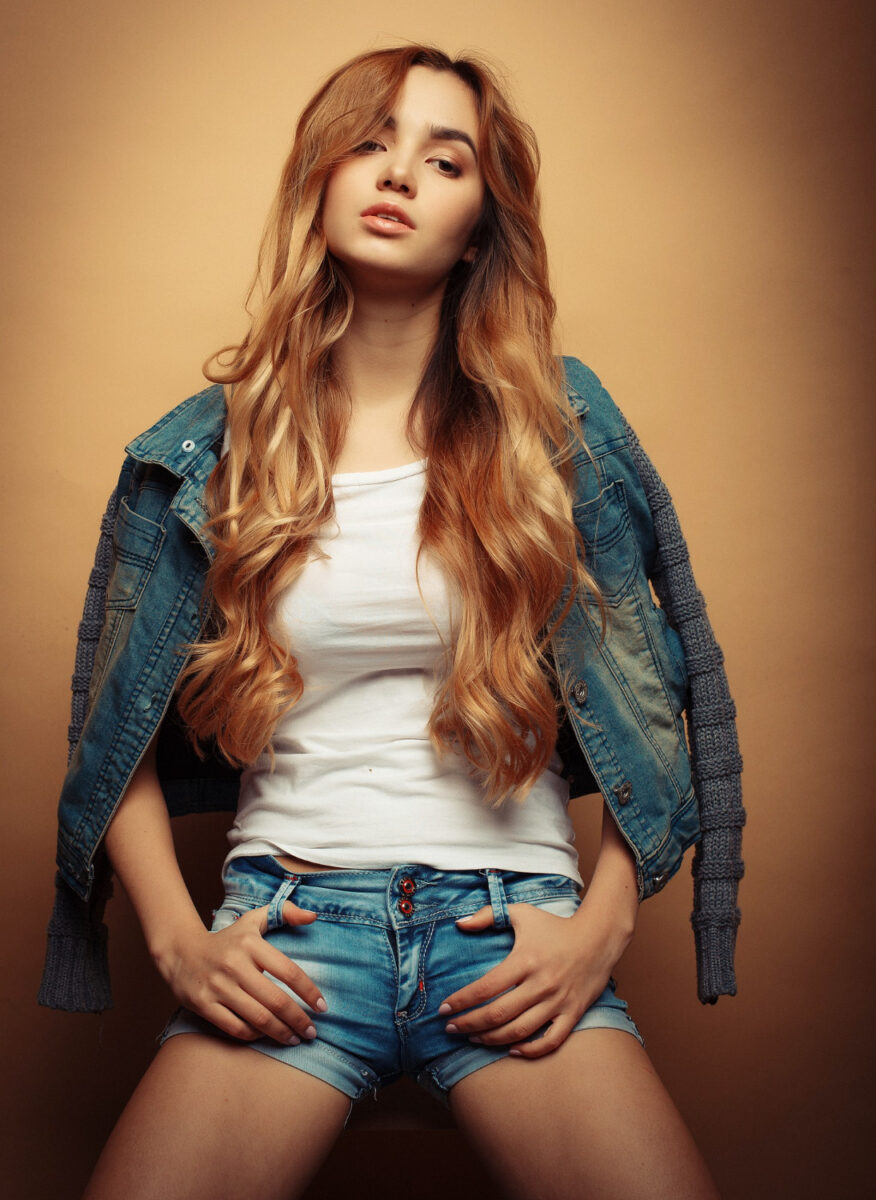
x: 558, y: 965
x: 217, y: 975
x: 612, y: 896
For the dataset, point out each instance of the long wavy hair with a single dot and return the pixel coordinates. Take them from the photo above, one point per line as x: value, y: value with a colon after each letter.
x: 494, y: 424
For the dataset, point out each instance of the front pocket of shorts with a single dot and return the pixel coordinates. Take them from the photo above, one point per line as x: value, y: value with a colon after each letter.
x: 232, y: 908
x: 560, y: 906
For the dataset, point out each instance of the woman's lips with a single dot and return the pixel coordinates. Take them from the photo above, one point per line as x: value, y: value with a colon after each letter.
x: 387, y: 218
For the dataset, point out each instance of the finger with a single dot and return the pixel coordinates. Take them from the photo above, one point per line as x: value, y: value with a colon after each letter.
x: 270, y: 1011
x: 530, y: 1017
x: 554, y: 1037
x: 498, y: 979
x: 229, y: 1022
x: 293, y: 915
x: 508, y: 1007
x: 482, y: 919
x: 270, y: 959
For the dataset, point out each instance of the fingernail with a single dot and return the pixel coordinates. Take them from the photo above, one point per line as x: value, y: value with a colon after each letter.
x: 477, y: 1039
x: 468, y: 918
x: 516, y: 1053
x: 450, y: 1028
x: 321, y: 1005
x: 445, y: 1008
x: 310, y: 1032
x: 293, y: 1040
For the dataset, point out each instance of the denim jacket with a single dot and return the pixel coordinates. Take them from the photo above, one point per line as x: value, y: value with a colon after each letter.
x: 624, y: 694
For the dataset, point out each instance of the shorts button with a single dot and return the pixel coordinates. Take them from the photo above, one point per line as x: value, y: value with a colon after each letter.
x: 405, y: 906
x: 408, y: 886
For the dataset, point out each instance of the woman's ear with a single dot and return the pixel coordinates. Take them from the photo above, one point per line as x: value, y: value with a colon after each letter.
x: 469, y: 255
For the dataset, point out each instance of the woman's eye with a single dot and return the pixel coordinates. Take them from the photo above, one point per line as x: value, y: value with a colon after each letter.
x: 446, y: 167
x: 368, y: 147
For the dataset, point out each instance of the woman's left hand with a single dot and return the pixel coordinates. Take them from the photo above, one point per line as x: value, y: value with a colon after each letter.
x: 557, y: 968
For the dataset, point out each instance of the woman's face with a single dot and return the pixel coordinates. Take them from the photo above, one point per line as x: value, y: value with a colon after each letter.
x: 403, y: 209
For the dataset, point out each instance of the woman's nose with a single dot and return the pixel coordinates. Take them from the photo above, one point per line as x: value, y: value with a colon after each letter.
x: 397, y: 177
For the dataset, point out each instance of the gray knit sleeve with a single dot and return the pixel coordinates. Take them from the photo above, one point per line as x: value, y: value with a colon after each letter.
x: 91, y: 624
x: 717, y: 862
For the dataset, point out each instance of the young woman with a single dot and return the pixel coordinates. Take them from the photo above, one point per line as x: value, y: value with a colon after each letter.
x: 392, y: 579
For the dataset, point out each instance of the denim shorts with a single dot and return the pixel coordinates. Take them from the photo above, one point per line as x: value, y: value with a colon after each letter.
x: 385, y: 952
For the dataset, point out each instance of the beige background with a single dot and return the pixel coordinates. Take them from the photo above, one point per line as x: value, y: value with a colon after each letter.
x: 706, y: 182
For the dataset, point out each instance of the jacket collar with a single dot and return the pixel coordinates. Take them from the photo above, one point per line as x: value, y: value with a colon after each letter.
x: 579, y: 405
x: 184, y: 436
x: 187, y: 442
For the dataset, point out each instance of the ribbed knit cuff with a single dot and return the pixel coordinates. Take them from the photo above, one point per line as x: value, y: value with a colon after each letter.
x: 76, y: 972
x: 715, y: 945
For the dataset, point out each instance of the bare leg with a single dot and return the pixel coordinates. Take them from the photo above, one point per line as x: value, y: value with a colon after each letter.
x: 212, y: 1120
x: 591, y: 1120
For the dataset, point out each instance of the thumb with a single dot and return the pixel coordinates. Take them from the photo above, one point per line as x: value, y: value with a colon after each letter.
x: 293, y: 915
x: 482, y: 919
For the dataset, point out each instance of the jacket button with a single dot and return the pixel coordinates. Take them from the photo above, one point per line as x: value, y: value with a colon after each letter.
x: 408, y: 886
x: 188, y: 445
x: 406, y: 907
x: 660, y: 879
x: 579, y: 691
x: 624, y: 792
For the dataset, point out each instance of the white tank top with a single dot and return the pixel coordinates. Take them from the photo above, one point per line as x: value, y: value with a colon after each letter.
x: 357, y: 782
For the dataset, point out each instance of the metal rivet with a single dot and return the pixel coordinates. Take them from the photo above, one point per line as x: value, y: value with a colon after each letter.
x: 188, y: 445
x: 624, y: 792
x: 658, y: 879
x: 579, y: 691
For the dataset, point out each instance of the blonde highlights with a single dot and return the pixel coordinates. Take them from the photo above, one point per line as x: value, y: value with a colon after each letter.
x: 492, y: 417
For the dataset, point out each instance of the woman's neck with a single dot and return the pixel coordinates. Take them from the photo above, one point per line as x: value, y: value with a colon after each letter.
x: 381, y: 358
x: 384, y: 349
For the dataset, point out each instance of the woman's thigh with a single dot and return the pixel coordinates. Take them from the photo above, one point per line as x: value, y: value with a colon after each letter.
x: 591, y: 1119
x: 213, y: 1120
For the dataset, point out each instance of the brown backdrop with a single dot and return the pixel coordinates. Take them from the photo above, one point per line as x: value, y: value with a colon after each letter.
x: 706, y: 182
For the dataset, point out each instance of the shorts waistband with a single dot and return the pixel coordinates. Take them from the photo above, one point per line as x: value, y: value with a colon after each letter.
x: 410, y: 892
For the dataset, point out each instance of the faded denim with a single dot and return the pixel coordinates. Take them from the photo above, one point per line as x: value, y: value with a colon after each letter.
x: 385, y: 952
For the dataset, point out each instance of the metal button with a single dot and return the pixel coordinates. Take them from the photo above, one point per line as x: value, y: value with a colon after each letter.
x: 660, y: 879
x: 188, y: 445
x: 405, y: 906
x: 624, y: 792
x: 579, y: 691
x: 408, y: 886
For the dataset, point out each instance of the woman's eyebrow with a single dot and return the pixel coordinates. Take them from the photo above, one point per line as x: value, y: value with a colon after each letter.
x: 441, y: 133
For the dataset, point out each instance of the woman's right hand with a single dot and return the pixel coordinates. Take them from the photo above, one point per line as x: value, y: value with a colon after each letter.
x: 220, y: 977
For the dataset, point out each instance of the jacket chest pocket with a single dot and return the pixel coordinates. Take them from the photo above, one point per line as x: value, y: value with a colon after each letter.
x: 137, y: 543
x: 612, y: 554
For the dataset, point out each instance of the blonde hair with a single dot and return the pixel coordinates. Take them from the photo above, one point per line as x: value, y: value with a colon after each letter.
x: 495, y: 426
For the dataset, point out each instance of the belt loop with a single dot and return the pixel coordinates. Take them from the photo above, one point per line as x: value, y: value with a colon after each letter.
x: 275, y: 908
x: 499, y: 901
